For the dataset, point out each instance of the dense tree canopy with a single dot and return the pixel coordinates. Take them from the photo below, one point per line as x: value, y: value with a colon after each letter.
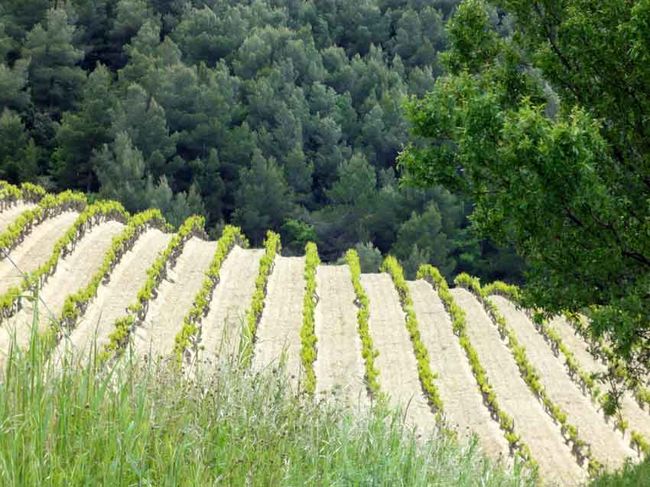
x: 268, y: 113
x: 542, y: 121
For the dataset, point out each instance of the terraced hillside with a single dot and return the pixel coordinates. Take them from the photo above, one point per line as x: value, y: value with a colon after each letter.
x: 466, y: 359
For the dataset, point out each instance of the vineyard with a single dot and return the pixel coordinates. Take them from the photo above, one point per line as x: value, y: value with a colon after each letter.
x: 467, y: 360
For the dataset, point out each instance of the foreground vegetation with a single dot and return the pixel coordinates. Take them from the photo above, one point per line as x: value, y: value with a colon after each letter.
x: 150, y: 425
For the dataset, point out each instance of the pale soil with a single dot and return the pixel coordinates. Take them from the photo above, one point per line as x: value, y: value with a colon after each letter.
x: 154, y: 338
x: 278, y: 332
x: 221, y: 328
x: 461, y: 397
x: 72, y: 274
x: 398, y: 374
x: 638, y: 419
x: 577, y: 345
x: 607, y: 446
x: 128, y: 276
x: 34, y: 250
x: 543, y: 437
x: 339, y: 365
x: 10, y: 214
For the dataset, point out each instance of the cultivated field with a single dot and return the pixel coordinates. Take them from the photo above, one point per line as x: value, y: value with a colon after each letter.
x: 465, y: 359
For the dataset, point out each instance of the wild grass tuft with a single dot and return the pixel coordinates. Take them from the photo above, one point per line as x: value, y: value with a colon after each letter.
x: 138, y: 424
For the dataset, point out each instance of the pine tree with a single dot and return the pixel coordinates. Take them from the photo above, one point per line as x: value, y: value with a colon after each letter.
x: 264, y: 199
x: 18, y: 154
x: 13, y: 83
x: 80, y: 133
x: 54, y: 74
x: 140, y: 116
x: 120, y: 170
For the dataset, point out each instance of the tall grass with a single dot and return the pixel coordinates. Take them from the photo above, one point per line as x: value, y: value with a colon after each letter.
x: 144, y: 424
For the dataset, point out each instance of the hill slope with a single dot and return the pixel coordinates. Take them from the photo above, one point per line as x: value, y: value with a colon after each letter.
x: 450, y: 358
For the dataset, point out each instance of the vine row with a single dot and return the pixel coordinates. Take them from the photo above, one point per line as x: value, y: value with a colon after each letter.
x: 188, y: 335
x: 368, y: 350
x: 459, y: 324
x: 272, y: 246
x: 10, y: 302
x: 10, y: 194
x: 307, y: 332
x: 427, y: 377
x: 583, y: 379
x: 76, y: 304
x: 136, y: 311
x: 48, y: 207
x: 618, y: 371
x: 580, y: 448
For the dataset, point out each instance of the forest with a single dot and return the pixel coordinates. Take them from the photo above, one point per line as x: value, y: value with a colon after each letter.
x: 269, y: 114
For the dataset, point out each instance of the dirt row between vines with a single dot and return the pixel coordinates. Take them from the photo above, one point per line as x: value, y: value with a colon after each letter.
x: 398, y: 374
x: 154, y: 338
x: 34, y: 250
x: 608, y: 446
x: 462, y: 399
x: 221, y: 328
x: 278, y: 333
x: 339, y: 365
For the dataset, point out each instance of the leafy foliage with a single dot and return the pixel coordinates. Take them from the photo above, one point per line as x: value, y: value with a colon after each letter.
x: 538, y: 130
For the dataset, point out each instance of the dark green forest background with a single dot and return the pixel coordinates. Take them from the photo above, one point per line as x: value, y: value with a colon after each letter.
x: 280, y: 114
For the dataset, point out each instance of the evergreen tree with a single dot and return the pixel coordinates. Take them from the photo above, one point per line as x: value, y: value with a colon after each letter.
x: 421, y: 240
x: 120, y: 169
x: 54, y: 74
x: 264, y: 199
x: 18, y: 154
x: 20, y: 16
x: 81, y: 132
x: 143, y: 119
x: 13, y: 84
